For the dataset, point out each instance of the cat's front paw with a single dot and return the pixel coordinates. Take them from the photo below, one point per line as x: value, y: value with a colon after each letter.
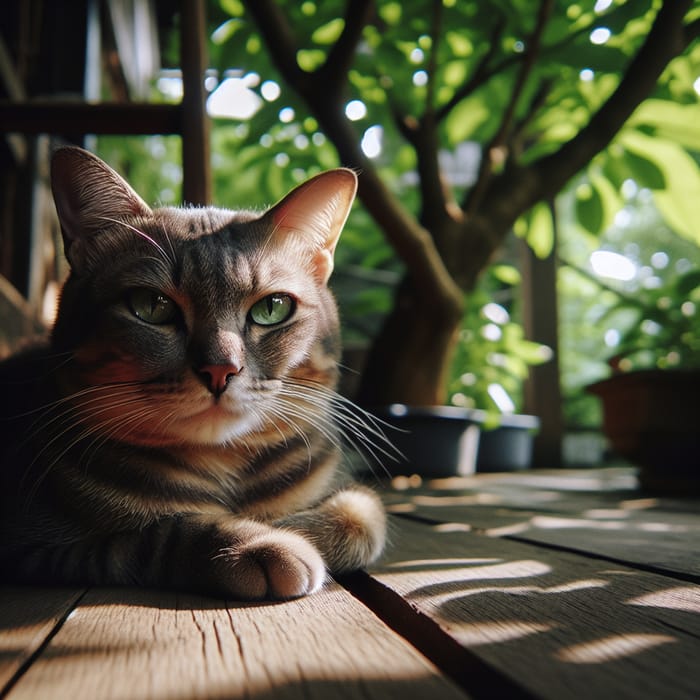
x: 276, y: 565
x: 349, y: 528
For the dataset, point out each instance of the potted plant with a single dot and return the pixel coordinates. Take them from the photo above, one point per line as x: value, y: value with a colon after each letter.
x: 480, y: 429
x: 651, y: 411
x: 491, y: 364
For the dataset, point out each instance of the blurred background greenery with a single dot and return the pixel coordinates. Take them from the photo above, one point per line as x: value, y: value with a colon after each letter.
x: 626, y: 227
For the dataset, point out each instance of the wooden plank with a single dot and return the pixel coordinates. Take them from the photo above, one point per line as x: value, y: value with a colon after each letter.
x: 50, y: 117
x: 28, y: 618
x: 658, y: 534
x: 562, y: 625
x: 145, y: 644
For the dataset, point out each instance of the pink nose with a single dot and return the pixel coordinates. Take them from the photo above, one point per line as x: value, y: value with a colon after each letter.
x: 217, y: 377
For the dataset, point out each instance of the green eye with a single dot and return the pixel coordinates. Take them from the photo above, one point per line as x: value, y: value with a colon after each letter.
x: 272, y: 309
x: 152, y: 306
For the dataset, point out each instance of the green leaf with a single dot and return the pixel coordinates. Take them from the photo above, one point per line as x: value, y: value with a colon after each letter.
x: 677, y: 202
x: 460, y: 44
x: 391, y: 12
x: 670, y: 120
x: 329, y: 32
x: 310, y: 59
x: 506, y: 274
x: 233, y: 7
x: 589, y: 207
x: 226, y: 30
x: 610, y: 199
x: 645, y: 172
x: 465, y: 119
x: 537, y: 228
x: 454, y: 73
x: 688, y: 283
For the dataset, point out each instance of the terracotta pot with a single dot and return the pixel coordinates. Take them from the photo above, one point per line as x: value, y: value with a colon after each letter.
x: 652, y: 419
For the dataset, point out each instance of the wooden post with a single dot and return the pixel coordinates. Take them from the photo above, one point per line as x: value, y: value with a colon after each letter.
x: 540, y: 319
x: 195, y: 127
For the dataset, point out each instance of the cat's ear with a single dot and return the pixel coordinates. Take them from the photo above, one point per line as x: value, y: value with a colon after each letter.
x: 89, y: 195
x: 316, y: 212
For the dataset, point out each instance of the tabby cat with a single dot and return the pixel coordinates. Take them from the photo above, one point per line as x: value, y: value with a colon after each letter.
x: 181, y: 428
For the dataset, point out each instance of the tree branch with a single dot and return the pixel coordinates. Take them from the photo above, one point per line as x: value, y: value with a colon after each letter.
x: 436, y: 32
x: 481, y: 74
x: 340, y: 57
x: 434, y: 192
x: 492, y: 153
x: 692, y: 30
x: 516, y: 140
x: 666, y: 40
x: 412, y: 243
x: 545, y: 177
x: 279, y: 39
x: 484, y: 72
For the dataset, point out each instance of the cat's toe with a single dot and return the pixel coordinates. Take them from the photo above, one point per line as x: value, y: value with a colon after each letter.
x: 277, y: 566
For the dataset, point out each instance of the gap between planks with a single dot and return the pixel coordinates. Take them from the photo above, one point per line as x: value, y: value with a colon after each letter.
x: 53, y: 609
x: 559, y: 624
x: 468, y: 671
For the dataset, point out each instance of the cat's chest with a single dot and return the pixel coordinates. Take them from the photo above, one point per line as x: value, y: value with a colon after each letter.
x: 218, y: 464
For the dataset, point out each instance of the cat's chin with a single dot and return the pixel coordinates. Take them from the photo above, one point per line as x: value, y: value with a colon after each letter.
x: 215, y: 425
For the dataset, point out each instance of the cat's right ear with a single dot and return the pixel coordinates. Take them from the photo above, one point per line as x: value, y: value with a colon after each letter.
x: 89, y: 196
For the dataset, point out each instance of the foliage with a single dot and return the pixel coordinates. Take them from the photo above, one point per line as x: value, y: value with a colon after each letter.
x: 469, y: 72
x: 461, y: 116
x: 649, y: 319
x: 153, y: 164
x: 493, y: 357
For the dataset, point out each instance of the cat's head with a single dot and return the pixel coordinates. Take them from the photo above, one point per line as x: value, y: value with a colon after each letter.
x: 196, y: 324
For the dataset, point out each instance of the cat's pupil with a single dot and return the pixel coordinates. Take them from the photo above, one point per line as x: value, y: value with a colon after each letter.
x: 272, y: 309
x: 151, y: 306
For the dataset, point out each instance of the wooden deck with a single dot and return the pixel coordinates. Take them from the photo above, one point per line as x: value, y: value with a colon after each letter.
x: 534, y: 585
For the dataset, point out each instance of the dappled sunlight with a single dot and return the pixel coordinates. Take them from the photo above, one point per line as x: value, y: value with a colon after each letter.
x: 459, y: 500
x: 401, y: 508
x: 452, y: 563
x: 661, y: 527
x: 606, y: 513
x: 639, y: 503
x: 505, y: 530
x: 686, y: 598
x: 611, y: 648
x: 446, y: 580
x: 479, y: 633
x: 403, y: 483
x: 547, y: 522
x: 569, y: 587
x: 453, y: 527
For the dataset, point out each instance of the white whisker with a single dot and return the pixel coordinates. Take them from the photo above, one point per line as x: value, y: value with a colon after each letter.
x: 140, y: 233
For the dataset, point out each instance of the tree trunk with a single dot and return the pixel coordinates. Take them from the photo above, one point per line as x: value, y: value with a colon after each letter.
x: 410, y: 358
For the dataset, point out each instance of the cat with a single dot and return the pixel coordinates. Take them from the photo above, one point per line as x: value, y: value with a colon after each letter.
x: 180, y: 428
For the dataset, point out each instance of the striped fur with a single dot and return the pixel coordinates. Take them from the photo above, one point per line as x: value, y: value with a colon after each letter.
x: 198, y: 449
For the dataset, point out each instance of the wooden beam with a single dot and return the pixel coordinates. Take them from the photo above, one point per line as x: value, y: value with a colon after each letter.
x: 196, y: 185
x: 543, y: 388
x: 37, y: 117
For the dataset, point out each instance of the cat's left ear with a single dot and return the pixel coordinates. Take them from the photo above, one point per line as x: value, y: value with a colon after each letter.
x: 89, y: 197
x: 316, y: 212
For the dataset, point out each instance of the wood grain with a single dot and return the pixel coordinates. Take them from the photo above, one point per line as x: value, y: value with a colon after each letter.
x: 121, y: 644
x: 562, y: 625
x: 623, y: 525
x: 28, y: 618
